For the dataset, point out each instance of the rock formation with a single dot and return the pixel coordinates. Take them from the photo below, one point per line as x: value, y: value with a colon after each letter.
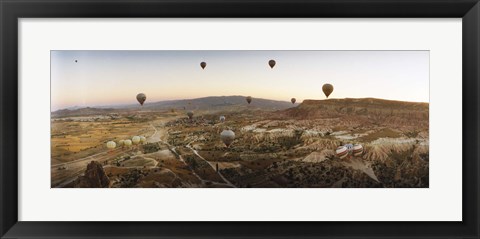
x: 94, y: 177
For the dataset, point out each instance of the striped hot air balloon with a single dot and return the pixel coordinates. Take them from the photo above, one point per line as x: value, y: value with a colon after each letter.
x: 341, y: 152
x: 357, y: 150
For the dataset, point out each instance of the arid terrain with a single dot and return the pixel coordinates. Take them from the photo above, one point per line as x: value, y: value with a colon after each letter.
x: 277, y: 144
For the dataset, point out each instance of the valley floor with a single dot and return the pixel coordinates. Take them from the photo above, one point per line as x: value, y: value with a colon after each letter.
x: 269, y: 151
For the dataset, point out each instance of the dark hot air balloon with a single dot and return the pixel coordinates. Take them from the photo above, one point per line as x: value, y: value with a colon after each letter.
x: 203, y: 64
x: 190, y: 114
x: 293, y: 100
x: 141, y: 98
x: 271, y: 63
x: 249, y: 99
x: 327, y: 89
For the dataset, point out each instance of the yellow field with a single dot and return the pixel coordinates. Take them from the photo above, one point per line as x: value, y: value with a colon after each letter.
x: 74, y: 139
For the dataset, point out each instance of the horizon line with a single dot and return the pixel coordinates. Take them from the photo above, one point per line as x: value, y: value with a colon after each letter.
x: 149, y: 103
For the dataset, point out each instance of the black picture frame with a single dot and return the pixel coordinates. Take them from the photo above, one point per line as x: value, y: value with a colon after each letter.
x: 12, y: 10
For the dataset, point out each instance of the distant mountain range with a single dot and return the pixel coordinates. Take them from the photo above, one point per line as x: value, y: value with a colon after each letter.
x: 390, y: 110
x: 218, y: 102
x: 82, y: 112
x: 205, y: 103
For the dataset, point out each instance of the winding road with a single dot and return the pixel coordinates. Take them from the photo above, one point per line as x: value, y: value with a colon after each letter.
x: 211, y: 165
x: 73, y: 169
x: 157, y: 138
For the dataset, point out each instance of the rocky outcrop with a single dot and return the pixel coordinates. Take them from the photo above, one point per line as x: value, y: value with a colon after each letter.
x: 367, y: 110
x: 94, y: 177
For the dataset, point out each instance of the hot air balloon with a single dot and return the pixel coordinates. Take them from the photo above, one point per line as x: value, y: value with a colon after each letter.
x: 327, y: 89
x: 341, y: 152
x: 111, y: 145
x: 127, y: 143
x: 203, y: 64
x: 249, y: 99
x: 293, y: 100
x: 190, y: 114
x: 120, y: 142
x: 357, y: 150
x: 227, y: 137
x: 143, y: 140
x: 349, y: 147
x: 76, y: 61
x: 141, y: 98
x: 135, y: 139
x: 271, y: 63
x: 222, y: 118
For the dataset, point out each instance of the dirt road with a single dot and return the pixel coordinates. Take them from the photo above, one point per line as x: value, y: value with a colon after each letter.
x: 211, y: 165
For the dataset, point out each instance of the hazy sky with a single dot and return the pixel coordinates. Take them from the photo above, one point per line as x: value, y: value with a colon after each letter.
x: 115, y: 77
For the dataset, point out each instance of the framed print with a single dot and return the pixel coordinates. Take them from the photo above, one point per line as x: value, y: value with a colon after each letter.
x: 239, y: 119
x: 239, y: 141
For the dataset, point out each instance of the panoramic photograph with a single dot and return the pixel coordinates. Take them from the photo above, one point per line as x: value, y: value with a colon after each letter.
x: 239, y: 119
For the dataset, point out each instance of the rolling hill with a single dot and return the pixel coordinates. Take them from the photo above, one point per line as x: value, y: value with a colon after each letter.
x: 205, y: 103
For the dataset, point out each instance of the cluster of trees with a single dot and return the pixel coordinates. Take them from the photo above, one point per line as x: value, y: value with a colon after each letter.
x: 150, y: 148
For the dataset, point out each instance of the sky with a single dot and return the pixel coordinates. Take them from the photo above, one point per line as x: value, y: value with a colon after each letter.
x: 103, y: 78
